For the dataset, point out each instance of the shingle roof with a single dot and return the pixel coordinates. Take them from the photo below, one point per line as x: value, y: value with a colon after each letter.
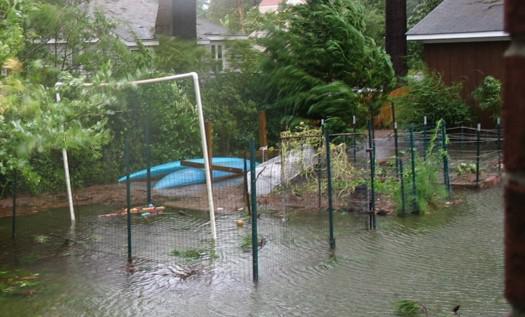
x: 206, y: 28
x: 138, y: 18
x: 131, y: 17
x: 462, y: 16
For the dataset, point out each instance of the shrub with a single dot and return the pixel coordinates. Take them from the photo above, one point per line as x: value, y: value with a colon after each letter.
x: 488, y: 95
x: 430, y: 97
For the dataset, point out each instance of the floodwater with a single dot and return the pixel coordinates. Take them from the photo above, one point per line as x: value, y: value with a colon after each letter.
x: 451, y: 257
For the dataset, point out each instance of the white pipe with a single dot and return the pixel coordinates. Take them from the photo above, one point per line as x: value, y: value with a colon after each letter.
x: 68, y: 179
x: 68, y: 185
x: 204, y: 140
x: 205, y: 154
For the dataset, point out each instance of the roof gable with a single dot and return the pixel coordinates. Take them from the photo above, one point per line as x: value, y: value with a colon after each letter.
x: 454, y: 17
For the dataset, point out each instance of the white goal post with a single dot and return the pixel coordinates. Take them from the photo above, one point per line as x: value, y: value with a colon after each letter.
x: 204, y: 142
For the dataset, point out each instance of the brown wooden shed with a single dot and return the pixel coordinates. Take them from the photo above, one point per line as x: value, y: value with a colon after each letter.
x: 464, y: 41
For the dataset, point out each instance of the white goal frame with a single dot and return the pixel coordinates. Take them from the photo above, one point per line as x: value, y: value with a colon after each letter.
x: 204, y: 142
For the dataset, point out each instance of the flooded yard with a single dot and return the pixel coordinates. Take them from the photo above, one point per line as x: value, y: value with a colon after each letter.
x: 450, y: 257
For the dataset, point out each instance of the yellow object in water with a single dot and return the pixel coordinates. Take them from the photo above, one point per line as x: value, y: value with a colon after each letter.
x: 239, y: 222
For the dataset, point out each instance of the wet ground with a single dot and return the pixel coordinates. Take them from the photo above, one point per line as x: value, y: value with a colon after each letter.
x: 451, y: 257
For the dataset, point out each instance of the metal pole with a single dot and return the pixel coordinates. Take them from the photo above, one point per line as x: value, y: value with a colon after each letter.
x: 147, y: 140
x: 66, y: 173
x: 319, y: 178
x: 128, y: 196
x: 209, y: 142
x: 354, y: 136
x: 462, y: 140
x: 413, y: 162
x: 207, y: 164
x: 253, y: 192
x: 68, y: 187
x: 478, y: 150
x: 425, y: 144
x: 330, y: 202
x: 13, y: 216
x: 402, y: 183
x: 396, y: 146
x: 498, y: 127
x: 446, y: 175
x: 245, y: 178
x: 372, y: 202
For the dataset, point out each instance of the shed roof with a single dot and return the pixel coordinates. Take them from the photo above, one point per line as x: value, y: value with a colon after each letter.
x: 461, y: 20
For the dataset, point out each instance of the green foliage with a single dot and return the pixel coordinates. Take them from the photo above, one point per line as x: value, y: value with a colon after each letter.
x: 228, y: 104
x: 231, y: 13
x: 317, y: 56
x: 12, y: 18
x: 429, y: 193
x: 407, y: 308
x: 18, y: 283
x: 246, y: 242
x: 466, y: 168
x: 182, y: 56
x: 420, y: 9
x: 430, y: 97
x: 190, y: 254
x: 59, y: 37
x: 33, y: 122
x: 488, y: 95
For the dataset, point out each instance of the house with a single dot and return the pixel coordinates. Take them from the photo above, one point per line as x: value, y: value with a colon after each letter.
x: 273, y: 5
x: 464, y: 41
x: 143, y: 20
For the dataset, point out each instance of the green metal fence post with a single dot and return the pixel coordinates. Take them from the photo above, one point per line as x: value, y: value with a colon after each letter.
x: 330, y: 202
x: 319, y: 184
x: 402, y: 184
x: 498, y: 128
x: 128, y: 195
x: 354, y: 141
x: 413, y: 162
x: 147, y: 139
x: 253, y: 192
x: 425, y: 142
x: 444, y: 146
x: 13, y: 216
x: 245, y: 180
x: 478, y: 150
x: 371, y: 211
x: 396, y: 147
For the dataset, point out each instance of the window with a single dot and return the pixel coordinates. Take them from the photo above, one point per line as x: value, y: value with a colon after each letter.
x: 217, y: 56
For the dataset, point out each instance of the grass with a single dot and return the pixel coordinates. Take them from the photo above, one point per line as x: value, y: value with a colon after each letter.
x: 246, y: 242
x: 18, y: 283
x: 190, y: 254
x: 408, y: 308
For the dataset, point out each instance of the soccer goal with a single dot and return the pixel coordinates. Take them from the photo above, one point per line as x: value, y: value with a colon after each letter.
x: 148, y: 170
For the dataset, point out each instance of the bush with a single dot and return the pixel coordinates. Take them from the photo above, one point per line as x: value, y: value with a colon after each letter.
x: 488, y: 96
x: 430, y: 97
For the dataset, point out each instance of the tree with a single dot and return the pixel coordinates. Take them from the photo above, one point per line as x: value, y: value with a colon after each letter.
x: 12, y: 18
x: 421, y: 10
x: 231, y: 13
x: 488, y: 96
x: 32, y: 123
x: 318, y: 59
